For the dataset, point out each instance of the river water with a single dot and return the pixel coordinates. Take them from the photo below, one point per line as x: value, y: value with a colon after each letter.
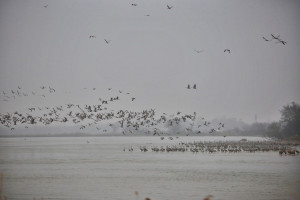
x: 99, y: 168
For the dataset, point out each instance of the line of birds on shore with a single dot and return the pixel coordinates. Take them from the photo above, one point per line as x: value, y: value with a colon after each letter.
x: 99, y: 116
x: 283, y: 148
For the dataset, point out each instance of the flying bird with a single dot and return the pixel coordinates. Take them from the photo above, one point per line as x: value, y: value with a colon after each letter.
x: 132, y: 99
x: 266, y: 39
x: 134, y: 4
x: 227, y: 50
x: 92, y: 36
x: 107, y: 41
x: 283, y: 42
x: 169, y: 7
x: 276, y: 38
x: 198, y: 51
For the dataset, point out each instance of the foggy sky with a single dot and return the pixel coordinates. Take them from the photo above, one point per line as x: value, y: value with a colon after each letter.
x: 153, y: 57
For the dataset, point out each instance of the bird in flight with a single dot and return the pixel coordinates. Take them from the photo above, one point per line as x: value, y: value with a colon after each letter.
x: 283, y: 42
x: 266, y: 39
x: 134, y: 4
x: 169, y: 7
x: 276, y: 38
x: 198, y: 51
x: 132, y: 99
x: 227, y: 50
x: 92, y: 36
x: 107, y: 41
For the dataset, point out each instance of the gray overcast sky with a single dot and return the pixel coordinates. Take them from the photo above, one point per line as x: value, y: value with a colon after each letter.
x: 153, y: 57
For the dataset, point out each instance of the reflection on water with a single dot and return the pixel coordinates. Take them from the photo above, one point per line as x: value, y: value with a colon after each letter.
x: 98, y: 168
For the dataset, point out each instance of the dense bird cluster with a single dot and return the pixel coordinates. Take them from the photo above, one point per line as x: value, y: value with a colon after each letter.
x: 98, y: 116
x: 282, y: 148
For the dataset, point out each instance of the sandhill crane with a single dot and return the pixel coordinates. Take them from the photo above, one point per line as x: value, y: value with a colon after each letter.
x: 169, y: 7
x: 198, y: 51
x: 266, y: 39
x: 276, y: 38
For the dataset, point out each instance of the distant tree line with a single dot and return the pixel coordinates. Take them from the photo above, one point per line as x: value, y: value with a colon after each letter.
x: 287, y: 127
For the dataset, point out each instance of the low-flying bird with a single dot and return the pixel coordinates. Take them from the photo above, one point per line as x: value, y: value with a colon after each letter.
x: 92, y: 36
x: 227, y: 50
x: 132, y: 99
x: 107, y: 41
x: 169, y: 7
x: 283, y: 42
x: 134, y: 4
x: 276, y: 38
x: 266, y: 39
x: 198, y: 51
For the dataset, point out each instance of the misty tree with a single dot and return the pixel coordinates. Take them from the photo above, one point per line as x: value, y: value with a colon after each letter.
x: 274, y: 130
x: 290, y: 119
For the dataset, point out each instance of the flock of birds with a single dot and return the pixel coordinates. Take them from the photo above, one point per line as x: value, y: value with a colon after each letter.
x: 42, y: 91
x: 148, y: 121
x: 102, y: 119
x: 283, y: 148
x: 276, y: 39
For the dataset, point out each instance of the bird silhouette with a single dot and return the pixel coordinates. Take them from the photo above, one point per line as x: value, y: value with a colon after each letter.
x: 169, y: 7
x: 281, y: 41
x: 198, y: 51
x: 227, y: 50
x: 107, y: 41
x: 276, y: 38
x: 266, y: 39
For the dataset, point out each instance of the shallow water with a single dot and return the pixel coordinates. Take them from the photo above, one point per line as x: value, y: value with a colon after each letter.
x: 98, y: 168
